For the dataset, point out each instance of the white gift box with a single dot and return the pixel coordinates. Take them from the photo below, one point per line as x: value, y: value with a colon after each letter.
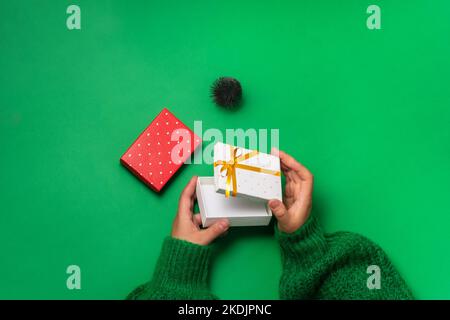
x: 256, y: 175
x: 239, y: 211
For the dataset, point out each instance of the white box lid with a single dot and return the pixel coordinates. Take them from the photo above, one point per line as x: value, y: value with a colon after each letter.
x: 264, y: 185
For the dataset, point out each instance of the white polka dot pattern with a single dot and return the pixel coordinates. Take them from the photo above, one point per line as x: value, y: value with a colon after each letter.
x: 151, y: 152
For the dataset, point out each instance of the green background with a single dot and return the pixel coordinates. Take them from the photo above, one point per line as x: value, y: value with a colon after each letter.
x: 368, y: 112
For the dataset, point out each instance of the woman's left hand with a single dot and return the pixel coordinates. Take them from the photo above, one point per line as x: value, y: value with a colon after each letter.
x: 186, y: 225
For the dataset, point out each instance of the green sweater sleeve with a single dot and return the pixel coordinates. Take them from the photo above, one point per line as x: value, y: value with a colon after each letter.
x: 335, y: 266
x: 180, y: 273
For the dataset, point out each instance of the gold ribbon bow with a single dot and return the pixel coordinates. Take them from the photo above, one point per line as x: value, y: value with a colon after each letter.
x: 234, y: 163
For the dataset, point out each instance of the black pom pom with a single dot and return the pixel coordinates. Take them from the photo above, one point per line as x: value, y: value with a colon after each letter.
x: 226, y: 92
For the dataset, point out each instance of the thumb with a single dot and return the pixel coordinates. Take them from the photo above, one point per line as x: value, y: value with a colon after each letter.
x: 279, y: 210
x: 214, y: 231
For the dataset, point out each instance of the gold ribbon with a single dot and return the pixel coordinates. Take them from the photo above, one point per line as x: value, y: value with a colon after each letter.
x: 234, y: 163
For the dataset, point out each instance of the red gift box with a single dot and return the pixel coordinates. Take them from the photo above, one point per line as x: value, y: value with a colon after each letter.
x: 160, y: 150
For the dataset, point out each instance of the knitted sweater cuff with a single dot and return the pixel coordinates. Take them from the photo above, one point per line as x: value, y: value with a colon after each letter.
x: 182, y: 265
x: 305, y: 246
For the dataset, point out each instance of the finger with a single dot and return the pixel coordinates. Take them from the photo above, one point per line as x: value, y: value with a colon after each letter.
x: 275, y: 152
x: 214, y: 231
x: 290, y: 163
x: 292, y: 176
x: 186, y: 201
x: 189, y: 190
x: 279, y: 210
x: 306, y: 191
x: 287, y: 172
x: 197, y: 219
x: 290, y: 192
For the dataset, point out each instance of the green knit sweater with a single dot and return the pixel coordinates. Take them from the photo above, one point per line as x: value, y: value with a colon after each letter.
x: 315, y: 266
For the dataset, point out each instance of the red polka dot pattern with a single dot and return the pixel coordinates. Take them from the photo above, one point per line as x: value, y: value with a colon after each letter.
x: 160, y: 150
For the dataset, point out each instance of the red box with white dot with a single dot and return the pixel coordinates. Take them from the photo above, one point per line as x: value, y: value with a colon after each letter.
x: 160, y: 150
